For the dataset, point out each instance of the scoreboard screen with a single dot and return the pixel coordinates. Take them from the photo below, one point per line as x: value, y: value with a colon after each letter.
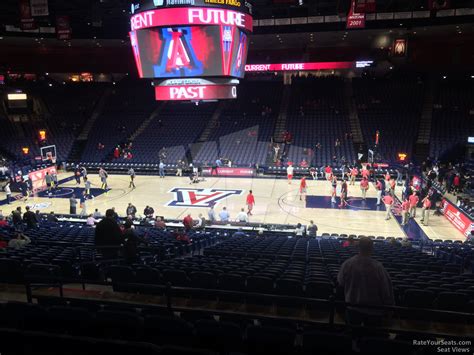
x: 190, y: 51
x: 191, y: 39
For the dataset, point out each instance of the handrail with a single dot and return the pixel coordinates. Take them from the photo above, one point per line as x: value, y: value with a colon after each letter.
x: 169, y: 290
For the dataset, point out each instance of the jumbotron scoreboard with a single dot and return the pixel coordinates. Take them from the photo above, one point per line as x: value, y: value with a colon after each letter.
x: 193, y: 49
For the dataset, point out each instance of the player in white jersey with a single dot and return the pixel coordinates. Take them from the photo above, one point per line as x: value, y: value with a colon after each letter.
x: 289, y: 173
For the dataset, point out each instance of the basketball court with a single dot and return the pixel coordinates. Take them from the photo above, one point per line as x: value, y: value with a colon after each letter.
x: 276, y: 202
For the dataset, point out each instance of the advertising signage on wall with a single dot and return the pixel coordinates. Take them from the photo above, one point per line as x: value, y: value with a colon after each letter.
x: 457, y: 218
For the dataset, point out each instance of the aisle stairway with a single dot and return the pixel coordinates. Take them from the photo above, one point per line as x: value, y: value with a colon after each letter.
x: 81, y: 141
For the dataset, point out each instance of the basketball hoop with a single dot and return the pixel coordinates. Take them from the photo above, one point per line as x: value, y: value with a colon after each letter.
x: 48, y: 153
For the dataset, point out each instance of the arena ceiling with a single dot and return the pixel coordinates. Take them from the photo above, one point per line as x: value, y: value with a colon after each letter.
x: 110, y: 18
x: 367, y: 38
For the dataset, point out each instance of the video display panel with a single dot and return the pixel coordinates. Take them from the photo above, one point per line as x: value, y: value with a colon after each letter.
x: 190, y: 51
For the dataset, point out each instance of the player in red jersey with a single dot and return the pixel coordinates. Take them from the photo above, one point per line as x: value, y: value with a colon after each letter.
x: 328, y: 172
x: 378, y: 187
x: 353, y: 174
x: 364, y: 186
x: 425, y: 211
x: 388, y: 202
x: 365, y: 173
x: 303, y: 188
x: 250, y: 202
x: 413, y: 199
x: 392, y: 187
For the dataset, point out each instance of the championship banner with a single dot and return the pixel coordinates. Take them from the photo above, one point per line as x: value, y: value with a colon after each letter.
x: 438, y: 4
x: 400, y: 47
x: 457, y: 218
x: 365, y: 6
x: 26, y: 20
x: 355, y: 19
x: 37, y: 177
x: 63, y: 28
x: 39, y: 8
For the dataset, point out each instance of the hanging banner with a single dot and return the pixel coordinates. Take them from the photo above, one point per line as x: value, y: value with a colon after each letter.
x: 400, y: 47
x: 365, y: 6
x: 354, y: 19
x: 26, y: 20
x: 63, y: 27
x: 39, y: 8
x: 438, y: 4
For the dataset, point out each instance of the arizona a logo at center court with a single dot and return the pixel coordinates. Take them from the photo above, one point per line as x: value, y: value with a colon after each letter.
x: 189, y: 197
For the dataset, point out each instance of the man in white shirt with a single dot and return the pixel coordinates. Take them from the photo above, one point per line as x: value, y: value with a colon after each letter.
x: 366, y: 282
x: 8, y: 192
x: 242, y: 216
x: 224, y: 215
x: 299, y: 231
x: 201, y: 221
x: 97, y: 214
x: 19, y: 241
x: 91, y: 221
x: 289, y: 173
